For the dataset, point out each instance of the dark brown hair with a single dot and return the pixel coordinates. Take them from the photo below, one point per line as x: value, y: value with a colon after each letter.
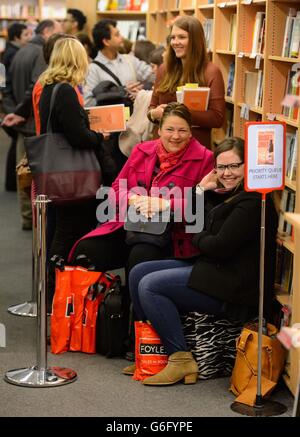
x: 177, y: 109
x: 196, y: 59
x: 232, y: 143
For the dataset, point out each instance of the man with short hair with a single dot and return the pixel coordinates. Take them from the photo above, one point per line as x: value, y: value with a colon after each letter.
x: 25, y: 69
x: 74, y: 22
x: 18, y: 35
x: 130, y: 70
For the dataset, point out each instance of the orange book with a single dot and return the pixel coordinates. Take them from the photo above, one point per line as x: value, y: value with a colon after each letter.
x: 110, y: 118
x: 196, y: 99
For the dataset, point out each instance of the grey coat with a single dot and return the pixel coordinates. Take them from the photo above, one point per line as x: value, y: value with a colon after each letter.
x: 24, y: 71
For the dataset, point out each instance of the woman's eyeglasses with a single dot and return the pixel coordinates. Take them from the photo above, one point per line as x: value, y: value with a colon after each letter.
x: 232, y: 167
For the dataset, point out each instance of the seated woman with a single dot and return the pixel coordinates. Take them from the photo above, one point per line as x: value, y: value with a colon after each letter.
x: 175, y: 161
x: 225, y: 277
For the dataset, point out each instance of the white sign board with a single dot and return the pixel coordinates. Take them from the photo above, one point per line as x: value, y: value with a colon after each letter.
x: 264, y: 156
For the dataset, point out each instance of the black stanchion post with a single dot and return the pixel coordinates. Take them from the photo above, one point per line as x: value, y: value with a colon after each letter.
x: 41, y: 375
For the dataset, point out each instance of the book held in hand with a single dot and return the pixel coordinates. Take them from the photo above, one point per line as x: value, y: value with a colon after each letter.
x: 109, y: 118
x: 196, y: 99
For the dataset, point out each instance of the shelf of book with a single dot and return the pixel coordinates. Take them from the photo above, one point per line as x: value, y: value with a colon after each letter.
x: 253, y: 44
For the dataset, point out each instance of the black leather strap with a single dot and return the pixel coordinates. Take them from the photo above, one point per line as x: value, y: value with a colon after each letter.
x: 108, y: 71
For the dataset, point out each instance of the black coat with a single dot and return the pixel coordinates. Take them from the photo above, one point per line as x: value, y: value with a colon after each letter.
x: 68, y: 117
x: 228, y: 267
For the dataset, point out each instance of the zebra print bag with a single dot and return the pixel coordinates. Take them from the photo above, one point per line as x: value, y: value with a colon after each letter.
x: 212, y: 341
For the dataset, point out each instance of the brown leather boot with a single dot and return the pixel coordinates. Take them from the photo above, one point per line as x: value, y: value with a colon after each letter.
x: 129, y: 370
x: 181, y: 365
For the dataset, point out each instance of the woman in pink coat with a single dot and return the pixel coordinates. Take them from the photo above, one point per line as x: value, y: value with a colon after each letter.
x: 175, y: 162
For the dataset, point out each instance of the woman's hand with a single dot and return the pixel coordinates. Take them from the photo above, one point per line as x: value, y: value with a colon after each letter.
x: 156, y: 113
x: 148, y: 206
x: 210, y: 181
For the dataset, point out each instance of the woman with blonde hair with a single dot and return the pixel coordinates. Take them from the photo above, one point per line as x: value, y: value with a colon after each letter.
x: 68, y: 66
x: 186, y: 61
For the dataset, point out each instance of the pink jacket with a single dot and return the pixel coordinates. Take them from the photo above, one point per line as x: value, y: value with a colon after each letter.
x: 137, y: 174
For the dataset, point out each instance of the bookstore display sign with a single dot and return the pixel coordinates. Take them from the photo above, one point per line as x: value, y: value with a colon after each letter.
x: 264, y: 172
x: 265, y: 156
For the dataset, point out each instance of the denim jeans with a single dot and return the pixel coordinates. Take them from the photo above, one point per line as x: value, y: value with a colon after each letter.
x: 160, y: 294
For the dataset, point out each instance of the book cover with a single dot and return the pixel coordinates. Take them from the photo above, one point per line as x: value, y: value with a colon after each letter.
x: 110, y: 118
x: 265, y: 147
x: 251, y: 79
x: 196, y: 99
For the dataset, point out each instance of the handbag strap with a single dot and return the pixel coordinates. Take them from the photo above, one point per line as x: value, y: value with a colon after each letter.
x: 52, y: 100
x: 108, y: 71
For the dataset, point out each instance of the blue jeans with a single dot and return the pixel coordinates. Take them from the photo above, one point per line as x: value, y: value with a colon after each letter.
x: 159, y: 293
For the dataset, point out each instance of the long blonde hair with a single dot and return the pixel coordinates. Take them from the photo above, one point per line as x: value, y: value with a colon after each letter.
x: 68, y: 63
x: 196, y: 59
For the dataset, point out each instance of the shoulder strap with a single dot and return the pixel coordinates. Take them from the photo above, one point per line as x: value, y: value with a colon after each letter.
x: 52, y: 100
x: 107, y: 70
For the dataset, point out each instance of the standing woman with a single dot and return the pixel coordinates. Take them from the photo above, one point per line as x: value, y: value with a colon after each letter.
x: 68, y: 65
x: 186, y: 61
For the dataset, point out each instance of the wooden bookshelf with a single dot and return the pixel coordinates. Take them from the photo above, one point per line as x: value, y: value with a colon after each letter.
x: 274, y: 68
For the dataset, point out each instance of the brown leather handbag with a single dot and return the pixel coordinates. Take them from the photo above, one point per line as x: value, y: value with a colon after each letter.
x: 244, y: 374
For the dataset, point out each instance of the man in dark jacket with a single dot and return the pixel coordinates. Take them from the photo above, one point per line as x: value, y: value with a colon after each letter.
x: 18, y: 36
x: 25, y: 69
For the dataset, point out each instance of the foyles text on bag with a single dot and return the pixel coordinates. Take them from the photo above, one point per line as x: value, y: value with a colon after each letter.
x: 78, y: 293
x: 150, y: 355
x: 63, y: 173
x: 244, y: 374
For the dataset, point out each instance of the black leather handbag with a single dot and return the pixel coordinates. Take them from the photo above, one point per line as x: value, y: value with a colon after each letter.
x: 155, y: 230
x: 63, y: 173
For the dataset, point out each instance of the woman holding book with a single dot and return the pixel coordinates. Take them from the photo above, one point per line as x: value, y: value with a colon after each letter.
x: 224, y: 279
x: 186, y: 61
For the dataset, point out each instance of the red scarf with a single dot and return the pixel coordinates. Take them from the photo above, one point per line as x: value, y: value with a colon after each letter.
x: 166, y: 159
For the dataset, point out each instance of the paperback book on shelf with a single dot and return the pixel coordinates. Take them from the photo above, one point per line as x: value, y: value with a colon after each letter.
x: 109, y: 118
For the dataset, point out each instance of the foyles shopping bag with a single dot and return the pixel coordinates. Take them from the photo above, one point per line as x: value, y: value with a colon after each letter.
x: 150, y: 355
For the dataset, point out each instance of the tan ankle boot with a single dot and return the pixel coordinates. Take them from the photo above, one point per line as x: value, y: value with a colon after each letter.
x: 129, y: 370
x: 181, y: 365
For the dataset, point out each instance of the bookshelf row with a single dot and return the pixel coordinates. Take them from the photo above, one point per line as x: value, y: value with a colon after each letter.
x: 255, y: 43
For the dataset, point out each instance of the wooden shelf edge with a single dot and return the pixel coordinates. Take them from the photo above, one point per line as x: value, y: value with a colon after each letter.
x: 286, y: 120
x: 293, y: 218
x: 281, y: 59
x: 290, y: 184
x: 284, y: 299
x: 125, y: 13
x: 287, y: 242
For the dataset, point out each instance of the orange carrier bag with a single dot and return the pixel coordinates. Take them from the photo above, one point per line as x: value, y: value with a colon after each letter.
x: 150, y: 355
x: 78, y: 293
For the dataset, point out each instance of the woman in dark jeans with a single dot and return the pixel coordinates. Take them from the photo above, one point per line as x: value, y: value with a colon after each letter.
x: 68, y: 65
x: 225, y: 277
